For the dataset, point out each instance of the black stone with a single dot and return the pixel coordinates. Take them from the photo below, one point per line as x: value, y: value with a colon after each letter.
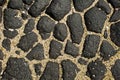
x: 51, y: 71
x: 45, y: 26
x: 115, y: 3
x: 6, y: 43
x: 36, y: 53
x: 71, y: 49
x: 29, y: 26
x: 37, y: 68
x: 60, y: 31
x: 15, y: 4
x: 116, y: 70
x: 96, y: 70
x: 27, y: 41
x: 24, y: 16
x: 80, y: 5
x: 69, y: 69
x: 90, y: 46
x: 74, y: 22
x: 0, y: 67
x: 28, y: 2
x: 95, y: 19
x: 17, y: 52
x: 38, y: 7
x: 2, y: 2
x: 82, y: 61
x: 10, y: 34
x: 1, y: 14
x: 105, y: 34
x: 1, y: 55
x: 115, y: 33
x: 58, y: 9
x: 55, y: 49
x: 17, y: 69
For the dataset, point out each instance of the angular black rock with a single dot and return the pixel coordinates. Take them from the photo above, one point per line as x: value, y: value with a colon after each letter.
x: 60, y: 31
x: 71, y: 49
x: 96, y: 70
x: 15, y: 4
x: 116, y: 70
x: 115, y: 3
x: 74, y: 22
x: 27, y: 41
x: 1, y: 55
x: 37, y: 68
x: 6, y: 43
x: 17, y: 69
x: 10, y: 21
x: 95, y: 19
x: 51, y: 71
x: 82, y: 61
x: 115, y: 33
x: 10, y: 34
x: 80, y: 5
x: 1, y: 14
x: 90, y: 46
x: 38, y: 7
x: 29, y: 26
x: 69, y: 69
x: 36, y: 53
x: 58, y: 9
x: 2, y: 2
x: 55, y: 49
x: 28, y: 2
x: 45, y: 26
x: 107, y: 50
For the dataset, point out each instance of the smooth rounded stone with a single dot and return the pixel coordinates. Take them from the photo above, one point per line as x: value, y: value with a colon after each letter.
x: 58, y: 9
x: 55, y: 49
x: 17, y: 52
x: 24, y: 16
x: 15, y: 4
x: 10, y: 19
x: 71, y: 49
x: 29, y: 26
x: 10, y: 34
x: 27, y: 41
x: 1, y: 55
x: 115, y: 16
x: 37, y: 68
x: 51, y: 71
x: 6, y: 43
x: 38, y: 7
x: 105, y: 34
x: 116, y: 70
x: 96, y: 70
x: 37, y: 53
x: 1, y: 14
x: 82, y: 61
x: 115, y: 3
x: 28, y: 2
x: 45, y: 26
x: 60, y: 31
x: 115, y: 33
x: 80, y: 5
x: 74, y: 22
x: 2, y: 2
x: 104, y: 6
x: 69, y: 69
x: 90, y: 46
x: 107, y: 50
x: 95, y: 19
x: 17, y: 69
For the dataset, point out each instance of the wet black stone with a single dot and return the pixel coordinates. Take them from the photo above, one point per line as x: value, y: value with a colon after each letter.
x: 55, y: 49
x: 29, y: 26
x: 28, y: 2
x: 37, y: 68
x: 1, y: 55
x: 116, y: 70
x: 115, y: 16
x: 115, y: 33
x: 6, y: 43
x: 105, y: 34
x: 107, y: 50
x: 27, y: 41
x: 82, y: 61
x: 74, y: 22
x: 80, y: 5
x: 60, y: 31
x: 69, y: 69
x: 96, y: 70
x: 36, y: 53
x: 17, y: 69
x: 115, y: 3
x: 95, y: 19
x: 71, y: 49
x: 58, y: 9
x: 51, y: 71
x: 1, y: 14
x: 2, y: 2
x: 10, y: 34
x: 90, y: 46
x: 45, y: 26
x: 104, y: 6
x: 38, y: 7
x: 15, y: 4
x: 10, y: 21
x: 24, y: 16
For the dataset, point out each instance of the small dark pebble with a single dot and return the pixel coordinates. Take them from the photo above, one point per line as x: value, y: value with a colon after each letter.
x: 6, y: 43
x: 24, y: 16
x: 82, y: 61
x: 1, y: 55
x: 1, y: 14
x: 2, y: 2
x: 37, y: 68
x: 28, y: 2
x: 115, y: 3
x: 105, y: 34
x: 0, y: 67
x: 17, y: 52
